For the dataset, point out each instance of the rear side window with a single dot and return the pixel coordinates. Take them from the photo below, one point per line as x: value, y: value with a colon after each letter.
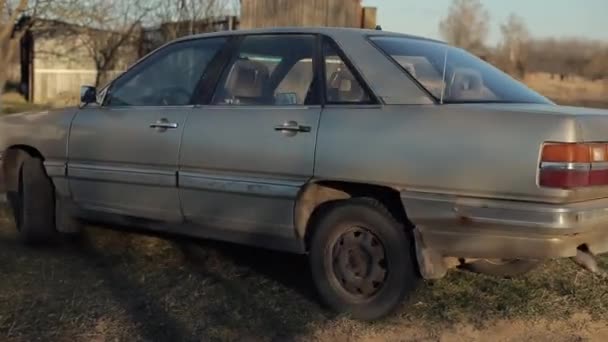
x: 270, y: 70
x: 341, y: 85
x: 453, y: 75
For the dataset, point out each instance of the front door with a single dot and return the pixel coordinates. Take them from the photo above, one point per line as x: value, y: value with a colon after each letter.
x: 123, y: 155
x: 247, y: 153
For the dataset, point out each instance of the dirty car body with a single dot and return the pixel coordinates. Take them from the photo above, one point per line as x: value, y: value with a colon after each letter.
x: 246, y: 144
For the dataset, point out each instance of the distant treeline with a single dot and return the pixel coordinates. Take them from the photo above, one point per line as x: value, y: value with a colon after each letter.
x: 467, y: 25
x: 560, y: 57
x: 568, y: 57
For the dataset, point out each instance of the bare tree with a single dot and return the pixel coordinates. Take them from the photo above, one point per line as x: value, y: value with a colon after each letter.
x: 568, y: 56
x: 514, y: 43
x: 10, y: 14
x: 597, y: 68
x: 16, y: 18
x: 113, y: 30
x: 178, y: 18
x: 109, y: 30
x: 466, y: 25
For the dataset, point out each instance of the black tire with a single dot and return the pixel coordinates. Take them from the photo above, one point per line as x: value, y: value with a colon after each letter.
x: 33, y: 204
x: 370, y: 287
x: 502, y: 268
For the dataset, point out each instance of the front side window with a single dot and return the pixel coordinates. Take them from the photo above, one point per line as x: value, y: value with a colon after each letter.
x: 341, y: 85
x: 270, y: 70
x: 454, y: 75
x: 167, y: 78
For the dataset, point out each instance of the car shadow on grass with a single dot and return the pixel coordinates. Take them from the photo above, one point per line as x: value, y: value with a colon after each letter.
x: 290, y: 270
x: 113, y: 285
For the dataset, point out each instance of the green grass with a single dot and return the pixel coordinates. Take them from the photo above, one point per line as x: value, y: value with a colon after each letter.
x: 115, y: 285
x: 556, y: 290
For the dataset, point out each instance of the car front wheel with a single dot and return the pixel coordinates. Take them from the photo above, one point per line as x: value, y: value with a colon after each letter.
x: 362, y: 259
x: 33, y: 205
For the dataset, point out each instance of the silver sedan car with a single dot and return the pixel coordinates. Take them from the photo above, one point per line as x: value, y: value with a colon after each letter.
x: 385, y: 158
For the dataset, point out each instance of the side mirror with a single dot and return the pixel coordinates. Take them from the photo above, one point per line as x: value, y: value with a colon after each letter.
x: 88, y: 94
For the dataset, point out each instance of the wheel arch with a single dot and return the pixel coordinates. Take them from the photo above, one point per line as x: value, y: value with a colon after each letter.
x: 12, y: 157
x: 317, y: 195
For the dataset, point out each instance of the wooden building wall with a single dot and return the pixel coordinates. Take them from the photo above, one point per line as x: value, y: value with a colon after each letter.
x: 273, y: 13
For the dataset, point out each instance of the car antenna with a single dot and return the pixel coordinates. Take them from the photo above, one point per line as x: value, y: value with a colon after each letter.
x: 445, y: 64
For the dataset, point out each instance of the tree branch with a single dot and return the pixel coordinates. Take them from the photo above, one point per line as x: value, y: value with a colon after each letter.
x: 9, y: 26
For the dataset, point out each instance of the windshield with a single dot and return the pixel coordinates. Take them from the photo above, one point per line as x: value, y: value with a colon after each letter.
x: 454, y: 75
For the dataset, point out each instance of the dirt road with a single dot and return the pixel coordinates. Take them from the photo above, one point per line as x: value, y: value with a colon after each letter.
x: 111, y: 286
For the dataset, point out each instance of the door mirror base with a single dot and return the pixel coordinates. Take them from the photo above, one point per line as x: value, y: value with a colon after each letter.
x: 88, y: 94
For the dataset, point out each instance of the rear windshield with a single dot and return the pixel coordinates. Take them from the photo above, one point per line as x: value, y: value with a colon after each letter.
x: 454, y: 75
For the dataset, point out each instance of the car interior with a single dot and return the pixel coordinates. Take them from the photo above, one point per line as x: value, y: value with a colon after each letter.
x: 248, y: 83
x: 270, y: 71
x: 281, y: 73
x: 467, y: 84
x: 342, y: 86
x: 461, y: 83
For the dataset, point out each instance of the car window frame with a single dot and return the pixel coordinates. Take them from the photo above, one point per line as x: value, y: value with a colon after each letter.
x: 234, y: 52
x: 151, y: 58
x: 374, y: 100
x: 370, y: 40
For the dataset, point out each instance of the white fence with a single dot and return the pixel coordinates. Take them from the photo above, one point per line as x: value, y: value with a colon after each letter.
x: 62, y: 86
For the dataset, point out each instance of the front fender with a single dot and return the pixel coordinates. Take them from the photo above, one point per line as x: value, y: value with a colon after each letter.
x: 45, y: 133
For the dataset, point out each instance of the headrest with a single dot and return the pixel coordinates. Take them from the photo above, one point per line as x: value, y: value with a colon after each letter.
x: 337, y: 77
x: 248, y: 79
x: 347, y: 86
x: 467, y: 80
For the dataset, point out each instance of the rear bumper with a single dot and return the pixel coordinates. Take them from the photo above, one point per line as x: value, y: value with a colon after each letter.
x: 480, y: 228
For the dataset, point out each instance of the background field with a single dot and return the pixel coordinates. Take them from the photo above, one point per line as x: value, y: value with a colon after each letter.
x: 575, y: 91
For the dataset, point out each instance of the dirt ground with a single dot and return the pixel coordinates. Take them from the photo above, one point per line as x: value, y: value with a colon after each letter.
x: 119, y: 286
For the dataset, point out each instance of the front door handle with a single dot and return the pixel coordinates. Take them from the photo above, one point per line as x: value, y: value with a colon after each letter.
x: 163, y: 125
x: 292, y: 127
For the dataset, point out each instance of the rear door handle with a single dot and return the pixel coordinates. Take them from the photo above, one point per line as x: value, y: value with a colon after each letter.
x: 164, y: 124
x: 292, y: 127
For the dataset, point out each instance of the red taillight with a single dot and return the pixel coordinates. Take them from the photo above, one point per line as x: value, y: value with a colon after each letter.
x: 574, y: 165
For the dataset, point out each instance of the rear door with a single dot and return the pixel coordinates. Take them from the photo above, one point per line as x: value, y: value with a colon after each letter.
x: 123, y: 155
x: 246, y: 154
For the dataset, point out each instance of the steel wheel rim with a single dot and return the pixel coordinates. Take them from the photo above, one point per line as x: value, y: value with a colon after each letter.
x: 358, y: 259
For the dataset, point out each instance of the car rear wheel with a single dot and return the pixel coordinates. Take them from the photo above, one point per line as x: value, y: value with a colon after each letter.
x: 33, y: 205
x: 362, y: 259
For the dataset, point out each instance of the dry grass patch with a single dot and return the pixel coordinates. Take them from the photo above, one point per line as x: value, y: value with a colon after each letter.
x: 571, y: 91
x: 15, y: 103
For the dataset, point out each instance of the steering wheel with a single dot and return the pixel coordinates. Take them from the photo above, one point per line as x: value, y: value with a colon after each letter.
x: 174, y: 96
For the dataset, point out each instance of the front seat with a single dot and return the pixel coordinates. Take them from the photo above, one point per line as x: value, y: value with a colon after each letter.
x: 248, y: 83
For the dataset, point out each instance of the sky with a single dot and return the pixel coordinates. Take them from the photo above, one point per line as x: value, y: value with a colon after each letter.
x: 544, y: 18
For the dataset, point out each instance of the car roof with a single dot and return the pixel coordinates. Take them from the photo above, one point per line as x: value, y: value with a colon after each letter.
x: 335, y: 32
